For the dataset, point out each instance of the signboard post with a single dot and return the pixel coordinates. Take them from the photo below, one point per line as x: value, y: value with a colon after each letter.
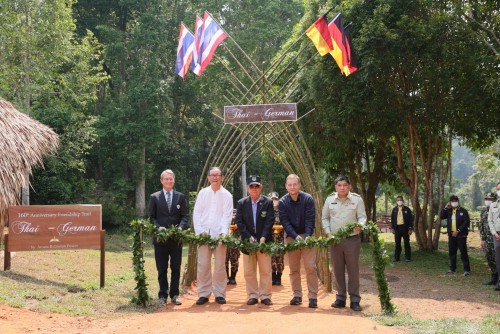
x: 55, y: 227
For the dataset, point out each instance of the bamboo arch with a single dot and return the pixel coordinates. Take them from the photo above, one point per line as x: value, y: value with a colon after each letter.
x: 284, y: 140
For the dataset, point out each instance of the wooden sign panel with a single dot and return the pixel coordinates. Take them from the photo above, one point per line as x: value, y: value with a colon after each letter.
x: 54, y: 227
x: 259, y: 113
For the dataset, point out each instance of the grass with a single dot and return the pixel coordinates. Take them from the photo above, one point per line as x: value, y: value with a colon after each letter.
x: 67, y: 282
x: 431, y: 267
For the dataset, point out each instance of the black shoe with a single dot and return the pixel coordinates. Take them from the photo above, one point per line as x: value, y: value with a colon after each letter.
x: 231, y: 281
x: 338, y: 303
x: 278, y: 279
x: 162, y: 300
x: 266, y: 301
x: 252, y: 301
x: 395, y: 260
x: 274, y: 277
x: 313, y: 303
x: 492, y: 281
x: 497, y: 288
x: 220, y: 300
x: 296, y: 301
x: 355, y: 307
x: 202, y: 300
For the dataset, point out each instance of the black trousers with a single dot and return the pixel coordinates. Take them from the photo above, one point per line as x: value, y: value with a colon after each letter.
x: 402, y: 232
x: 171, y: 250
x: 455, y: 244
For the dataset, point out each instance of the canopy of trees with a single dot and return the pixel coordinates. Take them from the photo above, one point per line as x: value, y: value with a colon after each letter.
x: 100, y: 73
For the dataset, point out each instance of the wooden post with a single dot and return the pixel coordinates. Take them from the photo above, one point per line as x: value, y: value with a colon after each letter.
x: 6, y: 258
x: 103, y: 256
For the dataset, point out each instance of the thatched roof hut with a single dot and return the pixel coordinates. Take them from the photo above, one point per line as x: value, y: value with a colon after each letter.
x: 23, y: 143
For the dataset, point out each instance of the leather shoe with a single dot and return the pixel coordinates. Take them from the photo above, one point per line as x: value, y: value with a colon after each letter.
x: 202, y: 300
x: 313, y: 303
x: 338, y: 303
x: 176, y: 300
x: 252, y: 301
x: 266, y: 301
x: 296, y: 301
x: 220, y: 300
x: 231, y: 281
x: 355, y: 307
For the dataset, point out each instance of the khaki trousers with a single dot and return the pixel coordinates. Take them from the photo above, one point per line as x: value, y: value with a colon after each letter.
x: 308, y: 255
x: 262, y: 288
x: 204, y: 277
x: 346, y: 254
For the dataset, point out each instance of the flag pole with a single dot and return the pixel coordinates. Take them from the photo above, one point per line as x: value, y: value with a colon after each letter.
x: 237, y: 45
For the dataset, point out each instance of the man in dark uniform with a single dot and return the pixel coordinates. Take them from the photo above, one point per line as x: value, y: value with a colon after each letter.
x: 232, y: 254
x: 168, y: 207
x: 487, y: 240
x: 279, y: 236
x: 255, y: 217
x: 458, y: 228
x: 402, y: 227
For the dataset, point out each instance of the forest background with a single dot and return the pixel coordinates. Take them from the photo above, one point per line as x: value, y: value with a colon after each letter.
x: 421, y: 116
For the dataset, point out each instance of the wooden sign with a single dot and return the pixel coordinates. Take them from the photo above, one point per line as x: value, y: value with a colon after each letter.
x: 259, y: 113
x: 54, y: 227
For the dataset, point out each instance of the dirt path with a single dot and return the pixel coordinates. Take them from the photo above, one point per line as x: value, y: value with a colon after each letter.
x: 412, y: 294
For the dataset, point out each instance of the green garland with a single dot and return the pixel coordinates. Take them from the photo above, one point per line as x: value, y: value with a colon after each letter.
x: 142, y: 297
x: 380, y: 257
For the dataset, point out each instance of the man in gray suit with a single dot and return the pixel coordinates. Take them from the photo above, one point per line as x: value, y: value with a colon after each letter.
x: 168, y: 207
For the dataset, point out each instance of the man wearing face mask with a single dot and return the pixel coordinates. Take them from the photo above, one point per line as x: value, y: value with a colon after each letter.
x: 494, y: 224
x: 458, y: 229
x: 402, y: 227
x: 487, y: 240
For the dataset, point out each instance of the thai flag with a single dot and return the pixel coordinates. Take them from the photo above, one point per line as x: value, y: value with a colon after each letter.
x: 212, y: 35
x: 195, y: 65
x: 184, y: 51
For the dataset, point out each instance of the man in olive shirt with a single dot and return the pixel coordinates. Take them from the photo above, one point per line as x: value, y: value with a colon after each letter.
x: 342, y: 208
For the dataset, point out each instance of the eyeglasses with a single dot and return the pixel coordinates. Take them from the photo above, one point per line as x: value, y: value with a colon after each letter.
x: 215, y: 175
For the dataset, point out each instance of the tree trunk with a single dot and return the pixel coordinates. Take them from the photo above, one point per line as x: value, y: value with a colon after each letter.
x: 140, y: 189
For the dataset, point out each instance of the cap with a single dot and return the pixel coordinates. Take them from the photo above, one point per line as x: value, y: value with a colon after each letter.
x: 493, y: 196
x: 453, y: 198
x: 253, y: 179
x: 273, y: 195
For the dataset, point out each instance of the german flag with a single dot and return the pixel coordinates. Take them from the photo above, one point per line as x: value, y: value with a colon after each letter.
x: 350, y: 64
x: 338, y: 52
x: 318, y: 33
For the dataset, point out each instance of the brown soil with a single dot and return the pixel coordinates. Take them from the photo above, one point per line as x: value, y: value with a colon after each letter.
x: 411, y: 294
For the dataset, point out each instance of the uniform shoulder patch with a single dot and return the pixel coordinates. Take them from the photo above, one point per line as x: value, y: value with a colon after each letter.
x: 332, y: 194
x: 356, y: 195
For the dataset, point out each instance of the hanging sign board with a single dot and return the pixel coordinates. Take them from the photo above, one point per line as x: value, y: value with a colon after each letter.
x: 258, y: 113
x: 54, y: 227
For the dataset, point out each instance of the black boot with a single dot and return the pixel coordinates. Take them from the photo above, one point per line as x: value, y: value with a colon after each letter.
x: 493, y: 281
x: 232, y: 278
x: 278, y: 279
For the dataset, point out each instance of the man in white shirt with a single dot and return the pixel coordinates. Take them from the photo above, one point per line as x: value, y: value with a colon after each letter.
x: 212, y: 214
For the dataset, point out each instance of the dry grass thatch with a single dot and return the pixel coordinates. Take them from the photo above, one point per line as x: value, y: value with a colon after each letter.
x: 23, y: 143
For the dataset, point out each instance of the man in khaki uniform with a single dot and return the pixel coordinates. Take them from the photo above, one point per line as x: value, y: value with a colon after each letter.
x: 494, y: 224
x: 342, y: 208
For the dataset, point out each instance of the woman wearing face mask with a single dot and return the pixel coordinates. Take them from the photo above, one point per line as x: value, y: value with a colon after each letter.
x: 458, y: 229
x: 487, y: 243
x: 494, y: 224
